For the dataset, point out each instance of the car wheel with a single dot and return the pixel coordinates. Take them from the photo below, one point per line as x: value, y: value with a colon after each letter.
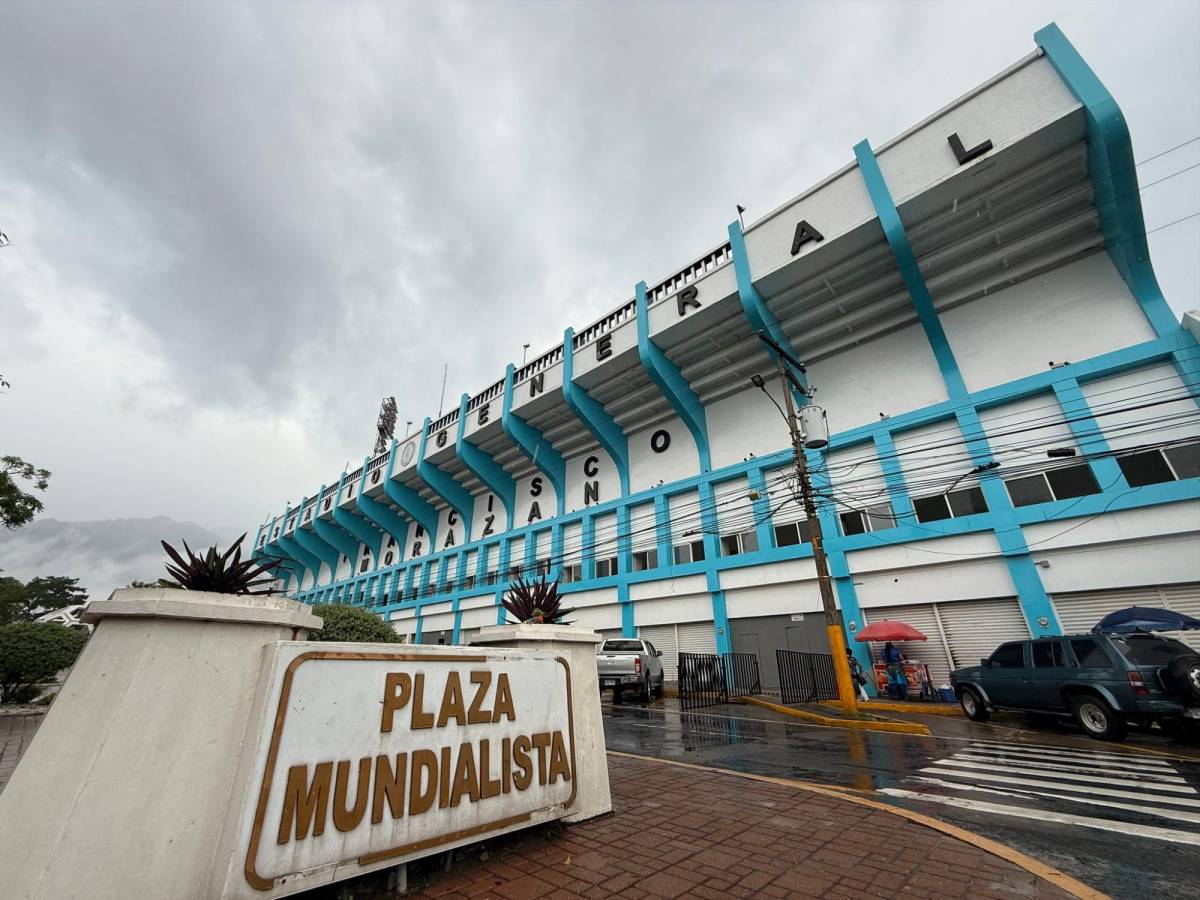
x: 973, y: 706
x: 1097, y: 718
x: 1184, y: 674
x: 647, y: 690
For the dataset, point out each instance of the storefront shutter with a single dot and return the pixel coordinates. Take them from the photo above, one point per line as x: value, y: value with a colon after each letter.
x: 931, y: 652
x: 974, y: 628
x: 1078, y: 612
x: 1184, y: 598
x: 663, y: 638
x: 696, y: 637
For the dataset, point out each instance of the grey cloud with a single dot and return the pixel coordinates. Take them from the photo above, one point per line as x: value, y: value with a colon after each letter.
x: 301, y: 208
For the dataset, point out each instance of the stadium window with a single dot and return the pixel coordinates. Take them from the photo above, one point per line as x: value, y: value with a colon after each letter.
x: 686, y: 553
x: 1072, y: 481
x: 967, y: 502
x: 571, y: 574
x: 645, y: 559
x: 793, y: 533
x: 1029, y: 490
x: 606, y: 568
x: 873, y: 518
x: 743, y: 542
x: 1055, y: 484
x: 1147, y: 467
x: 1184, y: 459
x: 963, y: 502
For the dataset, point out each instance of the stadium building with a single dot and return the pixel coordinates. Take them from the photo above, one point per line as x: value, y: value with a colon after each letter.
x: 1015, y: 435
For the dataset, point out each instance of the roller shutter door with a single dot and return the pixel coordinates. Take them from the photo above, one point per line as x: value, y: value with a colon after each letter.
x: 974, y: 628
x: 696, y: 637
x: 1079, y: 612
x: 931, y: 652
x: 1184, y: 598
x: 663, y: 638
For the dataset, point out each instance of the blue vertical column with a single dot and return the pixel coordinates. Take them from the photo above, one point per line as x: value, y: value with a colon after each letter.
x: 1035, y: 603
x: 1086, y: 431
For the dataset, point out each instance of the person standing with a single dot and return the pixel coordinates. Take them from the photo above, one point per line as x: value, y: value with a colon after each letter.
x: 856, y: 675
x: 897, y: 683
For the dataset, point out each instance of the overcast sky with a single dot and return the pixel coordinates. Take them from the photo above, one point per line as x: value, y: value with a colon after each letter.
x: 235, y: 227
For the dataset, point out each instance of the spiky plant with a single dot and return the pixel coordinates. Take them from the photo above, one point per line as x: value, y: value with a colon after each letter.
x: 221, y: 573
x: 536, y: 602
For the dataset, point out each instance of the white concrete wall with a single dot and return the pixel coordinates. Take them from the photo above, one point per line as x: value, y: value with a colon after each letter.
x: 648, y: 468
x: 1020, y: 330
x: 892, y: 374
x: 745, y: 424
x: 1171, y: 417
x: 535, y: 490
x: 606, y: 475
x: 1005, y: 112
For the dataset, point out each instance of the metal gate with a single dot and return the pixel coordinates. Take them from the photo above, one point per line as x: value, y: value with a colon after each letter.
x: 805, y: 677
x: 706, y: 679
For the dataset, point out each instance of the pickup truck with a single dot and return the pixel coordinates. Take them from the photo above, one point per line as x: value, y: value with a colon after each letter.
x: 630, y: 663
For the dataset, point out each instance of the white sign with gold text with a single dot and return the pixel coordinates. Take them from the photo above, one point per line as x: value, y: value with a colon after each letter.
x: 370, y: 758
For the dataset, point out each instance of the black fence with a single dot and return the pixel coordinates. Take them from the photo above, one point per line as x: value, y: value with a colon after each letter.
x: 706, y: 679
x: 805, y: 677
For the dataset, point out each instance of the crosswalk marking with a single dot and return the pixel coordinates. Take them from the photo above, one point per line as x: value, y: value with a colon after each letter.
x: 1028, y: 793
x: 1091, y: 788
x: 1062, y: 786
x: 1050, y: 750
x: 1037, y: 764
x: 1068, y: 777
x: 1042, y: 815
x: 1111, y: 765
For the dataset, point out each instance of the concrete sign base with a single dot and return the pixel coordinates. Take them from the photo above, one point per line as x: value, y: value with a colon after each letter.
x: 199, y: 750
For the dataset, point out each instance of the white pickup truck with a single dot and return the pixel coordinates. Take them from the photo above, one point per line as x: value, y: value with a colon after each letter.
x: 630, y: 663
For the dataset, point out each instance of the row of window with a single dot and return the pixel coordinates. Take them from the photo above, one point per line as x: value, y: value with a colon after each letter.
x: 1061, y: 483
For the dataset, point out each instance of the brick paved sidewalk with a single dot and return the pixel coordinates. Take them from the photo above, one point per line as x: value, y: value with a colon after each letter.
x: 690, y: 833
x: 679, y: 832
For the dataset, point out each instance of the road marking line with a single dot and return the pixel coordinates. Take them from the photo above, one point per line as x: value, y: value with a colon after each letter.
x: 1156, y: 775
x: 1029, y: 794
x: 1148, y: 831
x: 1083, y: 765
x: 1050, y: 750
x: 1108, y: 792
x: 1069, y: 778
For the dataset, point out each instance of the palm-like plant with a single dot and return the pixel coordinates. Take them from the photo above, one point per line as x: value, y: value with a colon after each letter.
x: 221, y: 573
x: 537, y: 602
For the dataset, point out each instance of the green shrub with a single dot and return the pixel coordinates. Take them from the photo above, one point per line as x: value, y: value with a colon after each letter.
x: 351, y: 623
x: 32, y: 652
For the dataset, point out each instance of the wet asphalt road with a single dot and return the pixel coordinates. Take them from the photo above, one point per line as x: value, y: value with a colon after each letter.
x: 1127, y: 823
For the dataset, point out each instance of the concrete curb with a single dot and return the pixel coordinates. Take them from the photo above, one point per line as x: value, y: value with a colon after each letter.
x: 831, y: 722
x: 931, y: 709
x: 1033, y: 866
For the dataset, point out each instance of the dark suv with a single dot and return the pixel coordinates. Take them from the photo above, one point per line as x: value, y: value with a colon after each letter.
x: 1104, y: 680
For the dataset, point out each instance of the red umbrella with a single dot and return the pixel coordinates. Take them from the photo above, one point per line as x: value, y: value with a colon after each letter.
x: 889, y: 630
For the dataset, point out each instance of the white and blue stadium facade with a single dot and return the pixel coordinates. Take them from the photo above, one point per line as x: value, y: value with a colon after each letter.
x: 967, y: 297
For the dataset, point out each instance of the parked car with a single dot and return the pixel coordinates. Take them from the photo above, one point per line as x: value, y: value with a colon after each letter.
x: 629, y: 662
x: 1106, y: 681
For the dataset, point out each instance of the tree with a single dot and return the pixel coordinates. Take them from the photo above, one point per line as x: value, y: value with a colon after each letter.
x: 12, y: 599
x: 351, y: 623
x: 17, y: 508
x: 32, y: 652
x: 23, y: 602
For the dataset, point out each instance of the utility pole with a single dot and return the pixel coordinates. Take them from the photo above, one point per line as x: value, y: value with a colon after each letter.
x: 834, y: 627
